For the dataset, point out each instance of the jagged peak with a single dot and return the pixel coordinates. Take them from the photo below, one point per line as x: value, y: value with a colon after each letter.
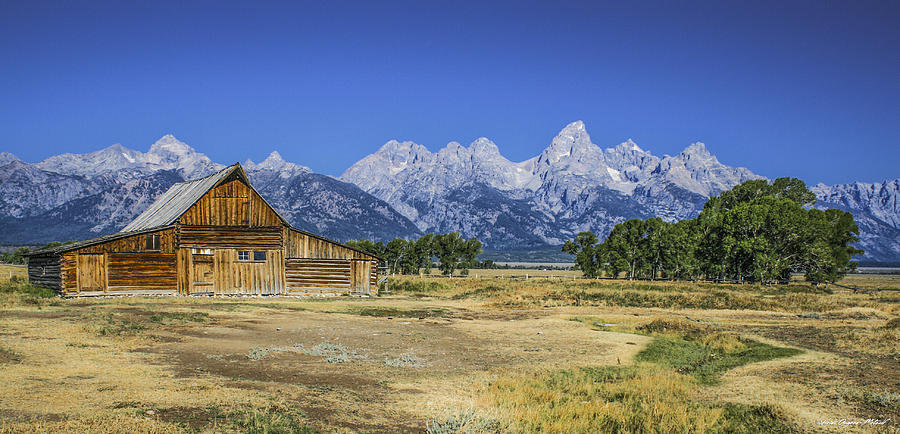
x: 574, y: 127
x: 697, y: 148
x: 629, y: 146
x: 168, y: 143
x: 394, y: 146
x: 571, y: 140
x: 273, y: 157
x: 484, y: 147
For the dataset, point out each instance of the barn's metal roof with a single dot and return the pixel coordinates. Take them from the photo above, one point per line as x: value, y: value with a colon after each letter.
x: 176, y: 200
x: 77, y: 245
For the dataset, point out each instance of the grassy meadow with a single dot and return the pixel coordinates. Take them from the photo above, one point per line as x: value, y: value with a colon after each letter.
x: 457, y: 355
x: 8, y: 271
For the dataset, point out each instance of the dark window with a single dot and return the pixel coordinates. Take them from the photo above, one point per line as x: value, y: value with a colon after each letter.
x: 243, y: 255
x: 259, y: 256
x: 152, y: 242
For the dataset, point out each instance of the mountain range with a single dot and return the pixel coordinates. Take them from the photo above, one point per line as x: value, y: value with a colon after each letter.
x: 404, y: 190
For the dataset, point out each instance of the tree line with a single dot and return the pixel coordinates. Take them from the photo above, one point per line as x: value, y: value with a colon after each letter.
x: 757, y: 231
x: 17, y: 256
x: 414, y: 256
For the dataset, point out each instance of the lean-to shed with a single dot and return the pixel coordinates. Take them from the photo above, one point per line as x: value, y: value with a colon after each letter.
x: 214, y: 235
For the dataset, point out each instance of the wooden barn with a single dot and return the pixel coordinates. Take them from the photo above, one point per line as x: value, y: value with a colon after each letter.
x: 214, y: 235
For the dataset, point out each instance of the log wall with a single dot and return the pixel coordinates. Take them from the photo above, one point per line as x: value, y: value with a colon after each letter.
x: 45, y: 271
x: 229, y: 236
x: 300, y: 245
x: 141, y: 271
x: 316, y: 275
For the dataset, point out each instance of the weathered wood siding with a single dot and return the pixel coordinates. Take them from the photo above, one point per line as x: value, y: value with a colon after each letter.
x: 134, y: 244
x: 231, y: 204
x: 91, y: 272
x: 147, y: 271
x: 45, y: 271
x: 317, y: 275
x: 248, y: 277
x: 183, y: 268
x: 229, y: 236
x: 300, y: 245
x: 360, y: 271
x: 68, y: 269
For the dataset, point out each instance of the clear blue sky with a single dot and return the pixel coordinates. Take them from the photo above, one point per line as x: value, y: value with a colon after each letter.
x: 809, y: 89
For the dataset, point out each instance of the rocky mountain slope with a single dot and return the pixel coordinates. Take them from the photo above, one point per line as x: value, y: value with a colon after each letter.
x: 573, y: 185
x: 77, y: 196
x: 405, y: 190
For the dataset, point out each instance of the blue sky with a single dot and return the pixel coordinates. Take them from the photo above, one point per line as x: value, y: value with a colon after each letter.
x: 807, y: 89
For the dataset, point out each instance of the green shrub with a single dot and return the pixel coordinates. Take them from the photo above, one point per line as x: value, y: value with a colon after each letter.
x: 21, y: 286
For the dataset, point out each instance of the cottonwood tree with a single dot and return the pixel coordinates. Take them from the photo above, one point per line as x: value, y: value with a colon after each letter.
x: 757, y: 231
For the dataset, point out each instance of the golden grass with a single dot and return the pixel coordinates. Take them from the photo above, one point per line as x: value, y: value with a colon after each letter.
x: 8, y: 271
x: 522, y: 293
x: 644, y: 398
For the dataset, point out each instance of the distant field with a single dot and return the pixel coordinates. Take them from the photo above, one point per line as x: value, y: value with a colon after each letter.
x: 7, y: 271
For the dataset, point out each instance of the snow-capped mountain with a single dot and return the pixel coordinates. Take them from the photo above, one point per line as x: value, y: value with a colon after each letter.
x: 876, y: 209
x: 404, y: 190
x: 168, y: 153
x: 573, y: 185
x: 77, y: 196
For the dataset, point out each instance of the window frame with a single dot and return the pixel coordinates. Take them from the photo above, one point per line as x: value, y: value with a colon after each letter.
x: 152, y: 243
x: 245, y: 253
x: 258, y: 252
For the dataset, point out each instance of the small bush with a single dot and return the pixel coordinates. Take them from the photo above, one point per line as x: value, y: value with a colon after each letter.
x: 404, y: 360
x: 723, y: 342
x: 21, y: 286
x: 272, y: 419
x: 467, y: 421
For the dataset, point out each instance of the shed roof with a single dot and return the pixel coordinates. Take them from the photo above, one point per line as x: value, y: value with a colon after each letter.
x: 79, y: 244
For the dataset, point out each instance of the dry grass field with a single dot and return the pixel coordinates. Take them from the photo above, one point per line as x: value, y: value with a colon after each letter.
x: 456, y: 355
x: 8, y: 271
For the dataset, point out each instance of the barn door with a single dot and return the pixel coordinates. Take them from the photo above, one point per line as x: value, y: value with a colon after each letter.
x: 91, y: 272
x: 361, y: 273
x: 202, y: 276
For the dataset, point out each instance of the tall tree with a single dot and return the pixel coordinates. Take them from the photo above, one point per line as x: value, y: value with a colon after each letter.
x: 584, y: 247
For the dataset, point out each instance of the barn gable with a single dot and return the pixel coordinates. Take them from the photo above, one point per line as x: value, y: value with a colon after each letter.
x: 224, y: 198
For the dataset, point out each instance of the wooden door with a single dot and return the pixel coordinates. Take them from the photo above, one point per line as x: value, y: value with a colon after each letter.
x: 202, y: 274
x: 361, y: 275
x: 91, y: 272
